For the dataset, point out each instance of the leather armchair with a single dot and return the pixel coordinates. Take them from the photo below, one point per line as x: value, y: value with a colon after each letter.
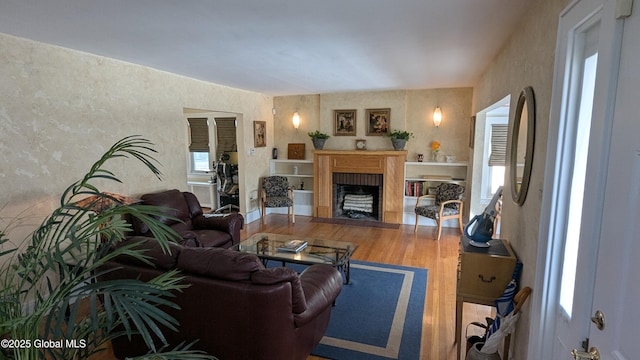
x: 236, y: 307
x: 196, y: 229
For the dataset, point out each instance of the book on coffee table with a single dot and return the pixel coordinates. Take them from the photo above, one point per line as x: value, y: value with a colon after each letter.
x: 293, y: 246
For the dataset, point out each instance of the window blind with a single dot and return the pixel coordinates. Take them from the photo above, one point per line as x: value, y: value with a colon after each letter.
x: 199, y: 130
x: 498, y: 154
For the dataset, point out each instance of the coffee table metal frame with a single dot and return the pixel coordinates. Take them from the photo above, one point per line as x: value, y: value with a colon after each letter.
x: 318, y: 251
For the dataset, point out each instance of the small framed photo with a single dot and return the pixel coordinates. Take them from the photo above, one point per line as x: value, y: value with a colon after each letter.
x: 377, y: 121
x: 259, y: 133
x: 344, y: 122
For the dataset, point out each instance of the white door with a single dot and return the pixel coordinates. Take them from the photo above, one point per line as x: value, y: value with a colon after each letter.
x: 592, y: 180
x: 617, y: 285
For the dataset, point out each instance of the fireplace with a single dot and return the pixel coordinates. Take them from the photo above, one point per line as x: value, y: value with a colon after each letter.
x: 370, y: 177
x: 357, y: 196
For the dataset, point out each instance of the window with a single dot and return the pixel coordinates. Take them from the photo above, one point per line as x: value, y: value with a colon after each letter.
x: 580, y: 156
x: 495, y: 148
x: 199, y: 158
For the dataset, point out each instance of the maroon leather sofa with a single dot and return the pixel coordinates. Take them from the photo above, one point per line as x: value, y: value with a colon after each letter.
x: 195, y: 229
x: 236, y: 307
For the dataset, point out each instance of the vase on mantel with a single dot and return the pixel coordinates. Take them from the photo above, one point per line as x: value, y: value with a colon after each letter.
x: 435, y: 156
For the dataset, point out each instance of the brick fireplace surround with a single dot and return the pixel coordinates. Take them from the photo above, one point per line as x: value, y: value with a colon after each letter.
x: 390, y: 164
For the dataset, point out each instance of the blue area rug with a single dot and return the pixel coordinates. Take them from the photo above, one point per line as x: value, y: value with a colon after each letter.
x: 378, y: 315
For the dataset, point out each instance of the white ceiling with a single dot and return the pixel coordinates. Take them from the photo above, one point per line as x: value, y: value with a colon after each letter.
x: 282, y: 47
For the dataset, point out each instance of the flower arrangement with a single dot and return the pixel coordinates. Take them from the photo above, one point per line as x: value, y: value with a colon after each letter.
x: 435, y: 147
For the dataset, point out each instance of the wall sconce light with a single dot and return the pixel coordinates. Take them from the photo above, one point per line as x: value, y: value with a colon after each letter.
x: 296, y: 120
x: 437, y: 116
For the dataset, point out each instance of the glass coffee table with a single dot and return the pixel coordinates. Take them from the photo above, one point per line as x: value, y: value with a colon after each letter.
x: 334, y: 253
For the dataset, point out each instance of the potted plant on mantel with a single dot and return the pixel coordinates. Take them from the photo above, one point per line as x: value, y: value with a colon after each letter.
x: 399, y: 138
x: 318, y: 138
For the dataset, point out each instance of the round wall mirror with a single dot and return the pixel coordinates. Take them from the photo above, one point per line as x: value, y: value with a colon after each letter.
x: 522, y: 140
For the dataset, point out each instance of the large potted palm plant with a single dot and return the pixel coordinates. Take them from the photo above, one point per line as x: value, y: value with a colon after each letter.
x: 45, y: 282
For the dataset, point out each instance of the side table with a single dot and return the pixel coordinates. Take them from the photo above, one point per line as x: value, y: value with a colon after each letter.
x: 483, y: 275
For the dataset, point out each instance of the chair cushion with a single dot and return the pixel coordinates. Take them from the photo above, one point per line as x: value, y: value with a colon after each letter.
x: 219, y: 263
x: 173, y: 201
x: 447, y: 191
x: 275, y: 186
x: 157, y: 256
x: 431, y: 211
x: 278, y: 201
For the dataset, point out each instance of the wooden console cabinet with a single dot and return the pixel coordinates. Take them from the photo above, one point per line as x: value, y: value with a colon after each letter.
x: 483, y: 275
x: 388, y: 163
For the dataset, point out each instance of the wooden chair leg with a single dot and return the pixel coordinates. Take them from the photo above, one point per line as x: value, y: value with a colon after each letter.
x: 460, y: 225
x: 439, y: 229
x: 293, y: 214
x: 264, y: 214
x: 415, y: 228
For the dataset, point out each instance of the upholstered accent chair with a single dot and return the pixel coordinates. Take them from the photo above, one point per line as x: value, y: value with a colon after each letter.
x: 275, y: 193
x: 447, y: 205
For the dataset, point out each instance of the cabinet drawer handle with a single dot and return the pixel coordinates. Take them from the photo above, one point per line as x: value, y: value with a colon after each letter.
x: 486, y: 281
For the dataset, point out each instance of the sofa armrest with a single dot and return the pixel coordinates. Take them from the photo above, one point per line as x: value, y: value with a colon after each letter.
x: 321, y: 285
x: 231, y: 224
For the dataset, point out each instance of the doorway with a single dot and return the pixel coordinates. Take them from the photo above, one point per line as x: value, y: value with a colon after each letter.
x: 218, y: 131
x: 488, y: 175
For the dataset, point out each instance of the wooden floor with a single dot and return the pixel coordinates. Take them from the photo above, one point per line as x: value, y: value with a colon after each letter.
x: 399, y: 247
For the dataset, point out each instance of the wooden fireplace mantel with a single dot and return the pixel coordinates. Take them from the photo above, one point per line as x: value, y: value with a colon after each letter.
x: 388, y: 163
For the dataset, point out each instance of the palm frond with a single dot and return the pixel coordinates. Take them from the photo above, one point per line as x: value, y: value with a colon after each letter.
x: 58, y: 267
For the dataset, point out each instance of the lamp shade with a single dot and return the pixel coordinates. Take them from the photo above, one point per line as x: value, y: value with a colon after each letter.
x: 296, y: 120
x: 437, y: 116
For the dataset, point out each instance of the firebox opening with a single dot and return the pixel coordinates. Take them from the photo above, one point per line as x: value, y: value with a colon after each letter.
x: 357, y: 196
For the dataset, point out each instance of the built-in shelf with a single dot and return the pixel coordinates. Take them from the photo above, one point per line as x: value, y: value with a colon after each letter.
x: 421, y: 178
x: 298, y: 173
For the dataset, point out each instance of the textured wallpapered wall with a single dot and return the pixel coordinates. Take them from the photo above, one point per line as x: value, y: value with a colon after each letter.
x: 526, y: 60
x: 411, y: 110
x: 61, y: 109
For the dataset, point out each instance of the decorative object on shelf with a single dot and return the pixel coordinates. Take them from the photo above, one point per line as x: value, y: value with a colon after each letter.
x: 318, y: 138
x: 378, y: 121
x: 450, y: 158
x: 361, y: 144
x: 522, y: 141
x: 435, y: 148
x: 274, y: 153
x: 420, y: 157
x: 259, y: 133
x: 295, y: 151
x: 344, y: 122
x: 399, y: 138
x: 437, y: 116
x: 295, y: 120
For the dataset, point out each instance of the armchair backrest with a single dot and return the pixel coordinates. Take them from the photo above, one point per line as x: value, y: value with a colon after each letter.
x: 181, y: 205
x: 448, y: 191
x: 275, y: 186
